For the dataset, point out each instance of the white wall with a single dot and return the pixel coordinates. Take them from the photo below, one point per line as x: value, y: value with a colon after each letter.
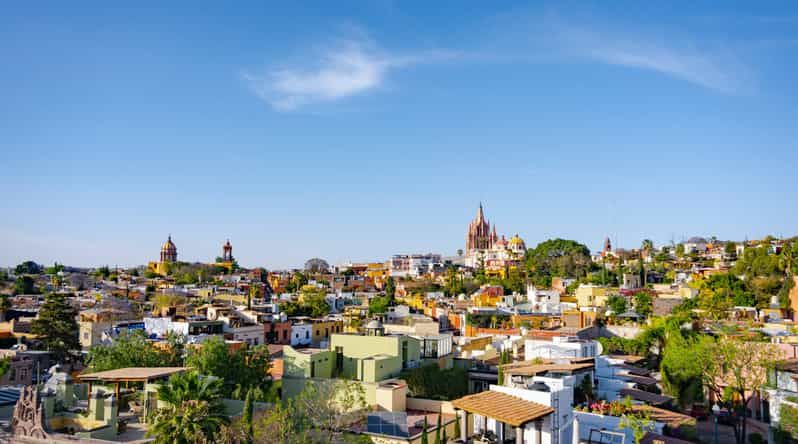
x: 301, y: 334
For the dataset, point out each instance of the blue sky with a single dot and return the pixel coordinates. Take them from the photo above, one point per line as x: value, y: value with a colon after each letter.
x: 356, y: 130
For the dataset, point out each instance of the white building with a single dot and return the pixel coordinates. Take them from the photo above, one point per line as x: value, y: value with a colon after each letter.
x: 413, y: 265
x: 560, y: 347
x: 301, y: 334
x: 540, y: 413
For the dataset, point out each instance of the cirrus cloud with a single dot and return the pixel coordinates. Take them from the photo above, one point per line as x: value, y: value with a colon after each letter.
x: 349, y: 68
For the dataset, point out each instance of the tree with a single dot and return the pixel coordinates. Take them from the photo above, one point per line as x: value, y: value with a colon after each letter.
x: 55, y: 269
x: 56, y: 326
x: 132, y: 349
x: 557, y: 257
x: 514, y: 282
x: 240, y: 370
x: 643, y: 303
x: 617, y: 304
x: 282, y: 424
x: 454, y: 282
x: 584, y: 392
x: 332, y: 406
x: 504, y: 359
x: 390, y: 290
x: 247, y: 413
x: 378, y: 304
x: 681, y: 369
x: 25, y: 285
x: 315, y: 300
x: 424, y: 439
x: 5, y: 306
x: 316, y: 265
x: 194, y: 411
x: 734, y: 371
x: 28, y: 267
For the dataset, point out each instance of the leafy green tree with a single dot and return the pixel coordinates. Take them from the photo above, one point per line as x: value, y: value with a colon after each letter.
x: 28, y: 267
x: 735, y: 370
x: 643, y: 303
x: 504, y: 358
x: 454, y: 282
x: 249, y: 408
x: 557, y: 257
x: 5, y: 364
x: 132, y: 349
x: 240, y: 370
x: 332, y: 407
x: 25, y: 285
x: 5, y: 306
x: 514, y: 281
x: 55, y: 269
x: 102, y: 272
x: 479, y: 273
x: 283, y: 423
x: 378, y: 304
x: 390, y: 290
x: 617, y: 304
x: 194, y: 411
x: 681, y: 370
x: 56, y: 326
x: 314, y: 299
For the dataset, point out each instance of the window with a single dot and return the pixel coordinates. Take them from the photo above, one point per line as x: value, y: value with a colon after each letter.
x: 307, y: 334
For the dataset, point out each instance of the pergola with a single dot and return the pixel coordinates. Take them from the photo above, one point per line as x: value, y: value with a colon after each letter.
x: 507, y: 409
x: 130, y: 374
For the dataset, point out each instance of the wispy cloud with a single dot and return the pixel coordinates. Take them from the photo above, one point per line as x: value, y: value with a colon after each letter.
x: 715, y: 68
x: 348, y: 68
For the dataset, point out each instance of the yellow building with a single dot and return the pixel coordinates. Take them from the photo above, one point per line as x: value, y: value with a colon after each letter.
x: 168, y: 256
x: 488, y: 296
x: 591, y: 295
x: 322, y: 329
x: 377, y: 270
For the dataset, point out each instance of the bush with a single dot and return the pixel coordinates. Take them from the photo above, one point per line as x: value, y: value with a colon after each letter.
x: 756, y: 438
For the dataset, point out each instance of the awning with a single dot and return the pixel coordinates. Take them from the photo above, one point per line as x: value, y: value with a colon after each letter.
x: 502, y: 407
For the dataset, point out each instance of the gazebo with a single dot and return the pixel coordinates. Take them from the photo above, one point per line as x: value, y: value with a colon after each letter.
x: 505, y: 410
x: 117, y: 377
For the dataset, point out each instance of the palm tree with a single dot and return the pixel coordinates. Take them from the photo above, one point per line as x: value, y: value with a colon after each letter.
x: 194, y: 411
x: 646, y: 247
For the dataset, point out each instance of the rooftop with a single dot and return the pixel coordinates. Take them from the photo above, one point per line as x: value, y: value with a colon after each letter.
x: 502, y: 407
x: 133, y: 374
